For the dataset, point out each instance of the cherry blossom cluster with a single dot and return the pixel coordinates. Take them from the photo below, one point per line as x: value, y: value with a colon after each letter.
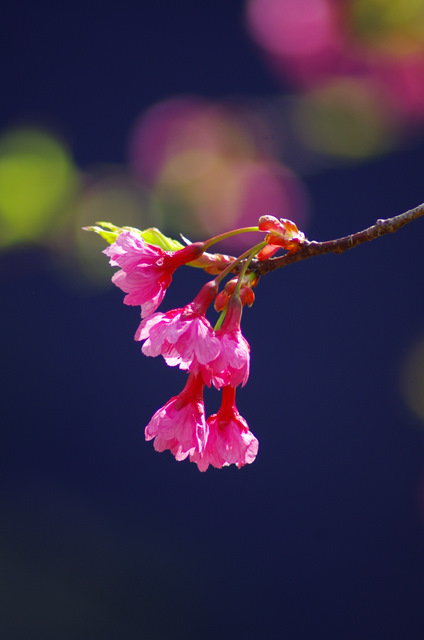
x: 216, y: 356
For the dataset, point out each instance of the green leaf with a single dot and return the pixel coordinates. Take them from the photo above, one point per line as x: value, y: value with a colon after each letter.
x: 110, y: 232
x: 109, y: 236
x: 156, y: 237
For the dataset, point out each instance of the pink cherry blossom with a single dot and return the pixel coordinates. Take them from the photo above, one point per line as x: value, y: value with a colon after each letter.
x: 180, y: 424
x: 146, y: 270
x: 229, y: 440
x: 232, y: 365
x: 182, y: 336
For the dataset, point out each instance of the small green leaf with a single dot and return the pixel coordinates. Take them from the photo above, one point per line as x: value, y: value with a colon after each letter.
x: 109, y: 236
x: 156, y: 237
x: 110, y: 232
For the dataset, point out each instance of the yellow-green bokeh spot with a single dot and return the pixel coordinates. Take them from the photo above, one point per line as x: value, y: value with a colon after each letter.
x: 345, y: 119
x: 396, y: 27
x: 37, y: 177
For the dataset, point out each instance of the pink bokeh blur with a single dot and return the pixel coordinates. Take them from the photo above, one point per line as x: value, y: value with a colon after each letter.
x: 311, y: 44
x: 210, y: 169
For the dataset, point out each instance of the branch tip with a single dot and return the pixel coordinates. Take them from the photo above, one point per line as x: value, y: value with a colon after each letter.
x: 310, y: 248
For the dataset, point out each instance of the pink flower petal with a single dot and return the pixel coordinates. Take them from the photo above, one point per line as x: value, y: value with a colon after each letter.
x: 232, y: 365
x: 184, y: 337
x: 229, y: 440
x: 146, y: 270
x: 180, y: 424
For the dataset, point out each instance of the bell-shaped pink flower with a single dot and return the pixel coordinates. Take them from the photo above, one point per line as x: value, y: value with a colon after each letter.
x: 146, y: 270
x: 180, y: 424
x: 229, y: 440
x: 182, y: 336
x: 232, y: 365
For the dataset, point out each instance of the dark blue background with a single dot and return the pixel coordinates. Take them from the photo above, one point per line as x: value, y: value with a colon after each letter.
x: 101, y: 537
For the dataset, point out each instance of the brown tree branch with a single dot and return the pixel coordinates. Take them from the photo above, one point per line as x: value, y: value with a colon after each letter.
x: 308, y: 249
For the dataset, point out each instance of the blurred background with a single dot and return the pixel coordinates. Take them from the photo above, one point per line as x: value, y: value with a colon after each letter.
x: 196, y: 118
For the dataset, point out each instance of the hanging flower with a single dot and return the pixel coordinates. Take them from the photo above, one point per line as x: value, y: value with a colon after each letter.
x: 180, y: 424
x: 182, y: 336
x: 232, y: 365
x: 146, y: 270
x: 229, y: 440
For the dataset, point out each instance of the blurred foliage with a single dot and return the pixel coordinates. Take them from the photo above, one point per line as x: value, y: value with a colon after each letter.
x: 37, y: 180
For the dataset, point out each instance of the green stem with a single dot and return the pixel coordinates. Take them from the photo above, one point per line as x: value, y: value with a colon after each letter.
x: 235, y: 262
x: 250, y: 257
x: 220, y: 320
x: 228, y: 234
x: 249, y: 254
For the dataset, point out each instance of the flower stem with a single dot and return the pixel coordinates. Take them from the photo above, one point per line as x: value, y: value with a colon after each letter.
x: 249, y: 254
x: 234, y: 263
x: 250, y: 257
x: 220, y: 320
x: 228, y: 234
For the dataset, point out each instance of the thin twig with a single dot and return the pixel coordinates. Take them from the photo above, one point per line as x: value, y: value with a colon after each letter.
x: 308, y: 249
